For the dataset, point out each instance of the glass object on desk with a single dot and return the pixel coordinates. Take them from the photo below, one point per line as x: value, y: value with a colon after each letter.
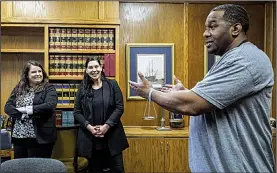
x: 272, y: 122
x: 176, y: 120
x: 147, y: 111
x: 162, y: 127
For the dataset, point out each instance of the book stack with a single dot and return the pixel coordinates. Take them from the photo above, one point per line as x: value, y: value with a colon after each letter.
x: 64, y: 118
x: 58, y: 117
x: 81, y: 38
x: 66, y: 65
x: 66, y: 93
x: 74, y: 65
x: 67, y: 118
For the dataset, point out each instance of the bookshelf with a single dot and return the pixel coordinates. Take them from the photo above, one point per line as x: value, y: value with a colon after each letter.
x: 23, y: 42
x: 82, y: 51
x: 22, y: 50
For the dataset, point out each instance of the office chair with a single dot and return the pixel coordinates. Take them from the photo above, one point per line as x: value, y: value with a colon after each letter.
x: 33, y: 165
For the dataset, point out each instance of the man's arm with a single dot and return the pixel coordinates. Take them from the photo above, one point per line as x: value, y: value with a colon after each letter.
x: 185, y: 102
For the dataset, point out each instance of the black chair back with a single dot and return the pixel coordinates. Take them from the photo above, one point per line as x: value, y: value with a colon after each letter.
x: 33, y: 165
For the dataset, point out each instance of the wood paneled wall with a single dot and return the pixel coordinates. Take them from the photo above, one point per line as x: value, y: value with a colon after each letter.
x: 84, y: 12
x: 149, y: 23
x: 11, y: 68
x: 264, y: 36
x: 182, y: 24
x: 270, y: 44
x: 199, y: 12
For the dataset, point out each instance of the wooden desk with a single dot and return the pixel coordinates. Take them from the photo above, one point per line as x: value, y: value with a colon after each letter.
x: 156, y: 151
x: 159, y: 151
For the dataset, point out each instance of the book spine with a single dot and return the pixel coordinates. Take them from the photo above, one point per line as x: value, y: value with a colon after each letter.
x: 52, y: 65
x: 81, y: 35
x: 69, y: 38
x: 66, y: 94
x: 64, y: 119
x: 58, y: 117
x: 71, y: 66
x: 105, y: 40
x: 63, y: 38
x: 87, y: 39
x: 57, y: 61
x: 112, y: 65
x: 52, y: 38
x: 93, y: 39
x: 85, y: 57
x: 68, y: 64
x: 74, y: 39
x: 98, y: 38
x: 59, y: 65
x: 80, y: 65
x: 111, y: 39
x: 75, y: 65
x: 58, y: 38
x: 72, y: 94
x: 63, y: 65
x: 59, y: 90
x: 107, y: 65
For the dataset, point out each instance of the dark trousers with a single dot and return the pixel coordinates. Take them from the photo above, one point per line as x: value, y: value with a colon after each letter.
x: 102, y: 161
x: 29, y: 147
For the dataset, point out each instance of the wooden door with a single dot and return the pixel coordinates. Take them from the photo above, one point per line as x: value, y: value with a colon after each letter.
x: 144, y: 155
x: 176, y: 155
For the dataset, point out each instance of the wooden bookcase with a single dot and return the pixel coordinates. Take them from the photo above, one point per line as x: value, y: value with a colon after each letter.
x: 23, y: 42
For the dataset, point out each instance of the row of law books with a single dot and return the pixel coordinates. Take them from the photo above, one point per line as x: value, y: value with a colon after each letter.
x: 66, y: 93
x: 74, y: 65
x: 81, y: 38
x: 64, y: 118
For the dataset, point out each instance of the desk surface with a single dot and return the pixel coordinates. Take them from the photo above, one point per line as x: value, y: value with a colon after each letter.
x: 151, y: 131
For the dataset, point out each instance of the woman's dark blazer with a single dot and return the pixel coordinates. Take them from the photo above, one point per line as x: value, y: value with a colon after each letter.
x: 44, y: 105
x: 114, y: 108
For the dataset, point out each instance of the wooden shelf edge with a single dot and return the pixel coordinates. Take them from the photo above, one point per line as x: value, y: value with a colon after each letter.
x: 70, y: 77
x: 65, y: 106
x: 30, y: 20
x: 82, y: 51
x: 22, y: 50
x: 23, y: 25
x: 66, y: 77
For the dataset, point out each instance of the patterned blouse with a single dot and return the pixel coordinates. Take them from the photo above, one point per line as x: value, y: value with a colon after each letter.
x: 23, y: 127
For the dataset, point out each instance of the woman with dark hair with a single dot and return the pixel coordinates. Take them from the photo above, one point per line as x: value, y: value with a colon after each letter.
x: 31, y: 105
x: 98, y: 108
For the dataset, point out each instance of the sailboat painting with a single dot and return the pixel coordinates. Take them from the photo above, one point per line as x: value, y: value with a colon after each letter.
x: 154, y: 60
x: 152, y: 66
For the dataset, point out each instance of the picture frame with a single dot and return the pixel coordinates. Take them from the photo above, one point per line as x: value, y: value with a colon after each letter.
x: 209, y: 60
x: 154, y: 60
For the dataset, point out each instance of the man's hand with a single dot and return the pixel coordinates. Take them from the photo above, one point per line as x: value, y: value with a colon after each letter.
x: 177, y: 87
x: 143, y: 87
x: 102, y: 130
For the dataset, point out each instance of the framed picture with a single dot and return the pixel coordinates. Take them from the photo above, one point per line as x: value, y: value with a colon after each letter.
x: 154, y: 60
x: 209, y: 60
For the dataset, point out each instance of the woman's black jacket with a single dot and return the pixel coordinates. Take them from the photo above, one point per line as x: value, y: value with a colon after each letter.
x: 113, y: 110
x: 44, y: 105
